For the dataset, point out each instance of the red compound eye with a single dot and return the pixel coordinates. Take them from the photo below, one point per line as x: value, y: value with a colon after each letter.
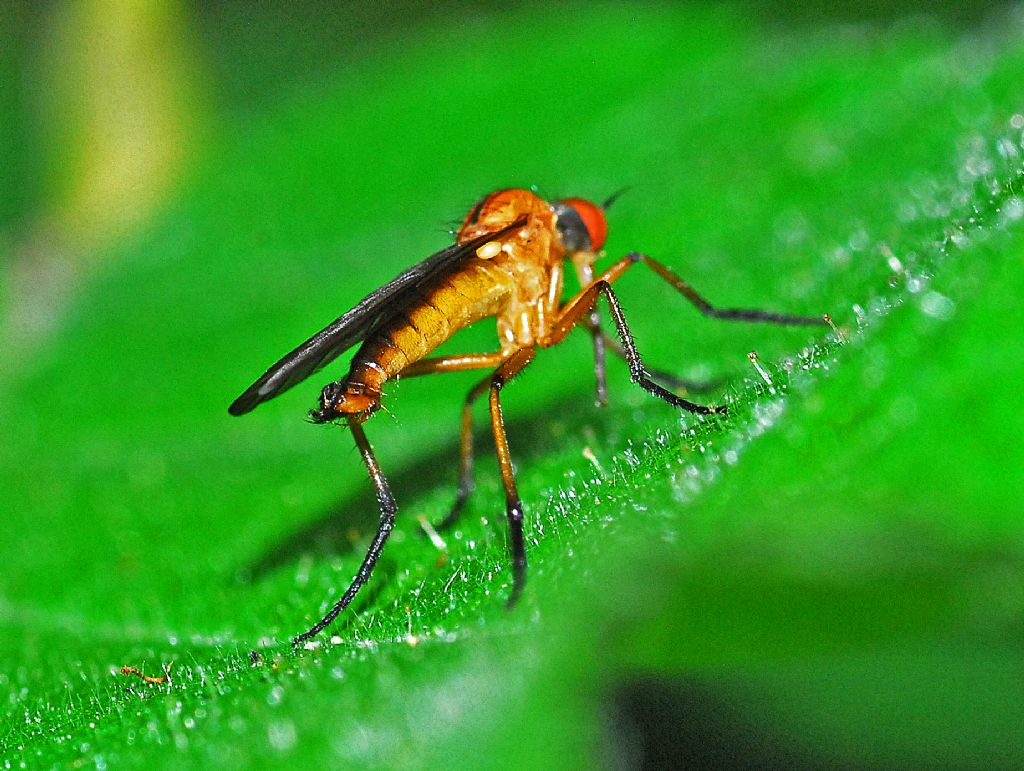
x: 593, y: 220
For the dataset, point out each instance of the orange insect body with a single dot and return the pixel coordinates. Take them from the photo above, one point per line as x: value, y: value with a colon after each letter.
x: 509, y: 263
x: 517, y: 278
x: 165, y: 678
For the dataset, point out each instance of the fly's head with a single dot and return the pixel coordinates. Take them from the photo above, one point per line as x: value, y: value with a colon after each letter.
x: 345, y: 400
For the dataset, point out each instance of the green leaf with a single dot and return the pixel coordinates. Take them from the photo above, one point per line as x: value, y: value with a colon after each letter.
x: 832, y: 574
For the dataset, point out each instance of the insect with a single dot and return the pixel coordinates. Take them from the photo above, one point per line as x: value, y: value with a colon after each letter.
x: 508, y: 262
x: 165, y: 678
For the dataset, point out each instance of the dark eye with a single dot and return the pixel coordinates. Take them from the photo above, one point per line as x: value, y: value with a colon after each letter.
x: 582, y: 225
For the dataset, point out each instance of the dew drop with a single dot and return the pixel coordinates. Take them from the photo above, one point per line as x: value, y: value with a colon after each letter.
x: 937, y: 306
x: 282, y: 735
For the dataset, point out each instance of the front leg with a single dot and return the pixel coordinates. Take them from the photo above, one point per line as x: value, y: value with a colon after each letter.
x: 733, y: 314
x: 583, y: 303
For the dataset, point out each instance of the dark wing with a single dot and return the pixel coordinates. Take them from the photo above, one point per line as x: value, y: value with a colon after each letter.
x: 341, y: 334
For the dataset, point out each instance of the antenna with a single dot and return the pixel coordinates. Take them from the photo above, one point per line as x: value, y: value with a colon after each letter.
x: 614, y: 197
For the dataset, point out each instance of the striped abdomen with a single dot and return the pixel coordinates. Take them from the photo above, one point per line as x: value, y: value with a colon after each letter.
x: 478, y: 290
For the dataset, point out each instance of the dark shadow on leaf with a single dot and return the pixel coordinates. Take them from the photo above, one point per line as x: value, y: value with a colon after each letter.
x: 331, y: 532
x: 658, y: 723
x: 531, y: 436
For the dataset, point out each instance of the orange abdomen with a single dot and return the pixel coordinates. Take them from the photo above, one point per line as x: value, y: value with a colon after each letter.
x: 480, y: 289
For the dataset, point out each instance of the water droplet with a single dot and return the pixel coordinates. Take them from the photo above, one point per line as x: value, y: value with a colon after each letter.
x: 858, y: 240
x: 1007, y: 149
x: 937, y: 306
x: 1013, y: 209
x: 282, y: 735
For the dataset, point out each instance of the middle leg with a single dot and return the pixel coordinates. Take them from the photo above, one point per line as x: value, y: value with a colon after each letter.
x: 585, y: 274
x: 513, y: 504
x: 509, y: 365
x: 459, y: 363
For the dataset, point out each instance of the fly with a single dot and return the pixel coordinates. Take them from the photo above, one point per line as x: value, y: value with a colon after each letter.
x: 508, y: 262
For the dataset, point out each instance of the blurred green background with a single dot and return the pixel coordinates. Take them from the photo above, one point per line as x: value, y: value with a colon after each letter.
x: 830, y: 576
